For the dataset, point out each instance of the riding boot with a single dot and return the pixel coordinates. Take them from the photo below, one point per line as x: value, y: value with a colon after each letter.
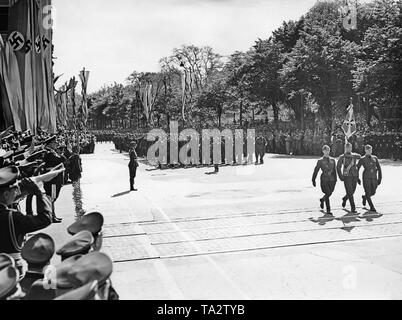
x: 370, y: 202
x: 328, y: 204
x: 322, y: 203
x: 352, y: 204
x: 344, y: 201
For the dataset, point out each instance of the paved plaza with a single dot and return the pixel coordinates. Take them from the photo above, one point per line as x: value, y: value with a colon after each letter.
x: 250, y: 232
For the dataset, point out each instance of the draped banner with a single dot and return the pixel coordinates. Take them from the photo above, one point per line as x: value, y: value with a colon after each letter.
x: 21, y: 22
x: 43, y: 48
x: 84, y: 76
x: 61, y: 106
x: 10, y: 86
x: 148, y: 93
x: 27, y: 59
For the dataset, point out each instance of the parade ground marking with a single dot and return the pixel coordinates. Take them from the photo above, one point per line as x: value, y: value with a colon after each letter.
x: 168, y: 280
x: 199, y: 250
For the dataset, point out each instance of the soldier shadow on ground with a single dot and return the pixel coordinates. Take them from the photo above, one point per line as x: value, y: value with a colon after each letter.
x: 121, y: 194
x: 322, y: 221
x: 284, y: 156
x: 371, y: 216
x: 347, y: 219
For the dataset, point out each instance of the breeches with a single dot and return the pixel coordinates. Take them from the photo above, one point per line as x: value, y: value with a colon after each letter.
x: 370, y: 187
x: 350, y: 185
x: 328, y: 187
x: 133, y: 173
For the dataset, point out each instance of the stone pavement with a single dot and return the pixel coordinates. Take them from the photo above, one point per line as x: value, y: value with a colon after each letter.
x: 247, y: 233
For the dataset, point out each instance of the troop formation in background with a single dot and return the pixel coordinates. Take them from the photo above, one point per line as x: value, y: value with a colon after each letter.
x: 84, y: 141
x: 309, y: 143
x: 388, y: 144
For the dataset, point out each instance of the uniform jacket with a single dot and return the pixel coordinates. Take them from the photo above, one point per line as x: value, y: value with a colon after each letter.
x: 372, y: 168
x: 133, y: 165
x: 75, y: 167
x: 347, y: 165
x: 328, y: 167
x: 14, y: 225
x: 52, y: 159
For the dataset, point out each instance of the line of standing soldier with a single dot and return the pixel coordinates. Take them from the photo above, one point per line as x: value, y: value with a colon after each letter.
x: 347, y: 169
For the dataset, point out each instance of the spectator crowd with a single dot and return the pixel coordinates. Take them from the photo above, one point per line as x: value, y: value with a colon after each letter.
x: 37, y: 166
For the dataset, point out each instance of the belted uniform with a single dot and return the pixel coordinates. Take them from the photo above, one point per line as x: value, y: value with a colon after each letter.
x: 52, y: 159
x: 14, y: 226
x: 133, y: 165
x: 328, y: 178
x: 372, y: 177
x: 349, y: 174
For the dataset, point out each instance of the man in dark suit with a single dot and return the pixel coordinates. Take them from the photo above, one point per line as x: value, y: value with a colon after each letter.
x: 328, y: 178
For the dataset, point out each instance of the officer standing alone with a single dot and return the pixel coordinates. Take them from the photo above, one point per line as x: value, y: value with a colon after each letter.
x: 133, y: 166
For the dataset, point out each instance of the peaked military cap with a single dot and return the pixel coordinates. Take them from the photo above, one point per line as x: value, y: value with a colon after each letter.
x: 50, y: 140
x: 8, y: 176
x: 85, y: 293
x: 38, y: 250
x: 79, y: 244
x: 62, y: 271
x: 9, y: 277
x: 92, y: 222
x: 94, y: 266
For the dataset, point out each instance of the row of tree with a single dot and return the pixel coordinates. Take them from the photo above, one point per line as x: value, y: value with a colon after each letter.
x: 307, y: 70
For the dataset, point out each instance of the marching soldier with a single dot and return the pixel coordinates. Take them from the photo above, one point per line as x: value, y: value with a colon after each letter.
x: 14, y: 225
x: 133, y: 165
x: 372, y: 176
x: 328, y: 178
x: 348, y: 173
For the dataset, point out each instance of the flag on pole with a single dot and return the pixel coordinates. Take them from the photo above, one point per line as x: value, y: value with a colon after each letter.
x: 349, y: 126
x: 84, y: 76
x: 184, y: 88
x: 10, y: 85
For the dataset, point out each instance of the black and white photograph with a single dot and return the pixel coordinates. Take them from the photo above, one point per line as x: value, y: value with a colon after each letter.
x: 200, y: 150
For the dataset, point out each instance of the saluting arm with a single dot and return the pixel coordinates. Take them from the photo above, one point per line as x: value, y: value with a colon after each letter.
x: 28, y: 224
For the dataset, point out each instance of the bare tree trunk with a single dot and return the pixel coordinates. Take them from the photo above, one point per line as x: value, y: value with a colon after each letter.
x: 241, y: 113
x: 276, y: 114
